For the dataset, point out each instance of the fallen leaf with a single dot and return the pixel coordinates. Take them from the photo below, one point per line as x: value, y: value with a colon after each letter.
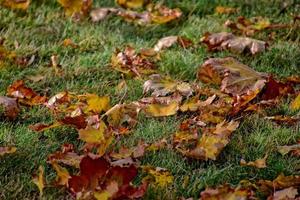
x: 235, y: 77
x: 36, y: 78
x: 10, y: 105
x: 287, y: 149
x: 131, y: 63
x: 161, y: 177
x: 285, y: 194
x: 133, y: 4
x: 275, y: 89
x: 225, y: 192
x: 225, y: 10
x: 69, y: 43
x: 168, y: 41
x: 39, y: 180
x: 289, y: 120
x: 62, y: 174
x: 259, y: 163
x: 92, y: 135
x: 76, y: 8
x: 24, y: 94
x: 159, y: 110
x: 162, y: 86
x: 16, y: 4
x: 100, y: 14
x: 224, y: 40
x: 295, y: 105
x: 7, y: 150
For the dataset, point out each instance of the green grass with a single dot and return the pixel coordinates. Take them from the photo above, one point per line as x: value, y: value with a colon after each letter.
x: 41, y: 31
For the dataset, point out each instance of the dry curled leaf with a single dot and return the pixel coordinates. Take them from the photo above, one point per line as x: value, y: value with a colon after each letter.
x: 7, y: 150
x: 163, y: 86
x: 168, y: 41
x: 259, y: 163
x: 212, y: 141
x: 100, y: 14
x: 131, y: 63
x: 235, y: 78
x: 287, y: 149
x: 10, y: 105
x: 284, y: 194
x: 224, y: 40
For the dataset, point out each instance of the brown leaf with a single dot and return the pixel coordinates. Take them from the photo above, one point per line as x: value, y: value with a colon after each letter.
x: 259, y: 163
x: 68, y: 42
x: 24, y: 94
x: 275, y: 89
x: 212, y: 141
x: 224, y: 40
x: 236, y: 78
x: 10, y: 105
x: 295, y: 149
x: 7, y: 150
x: 131, y: 63
x: 289, y: 120
x: 248, y: 26
x: 168, y: 41
x: 162, y: 86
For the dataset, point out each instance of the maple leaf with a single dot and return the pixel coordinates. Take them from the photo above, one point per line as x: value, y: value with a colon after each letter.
x: 162, y: 86
x: 131, y: 63
x: 76, y: 8
x: 225, y: 192
x: 10, y: 105
x: 160, y: 110
x: 25, y: 95
x: 95, y: 103
x: 92, y: 135
x: 134, y: 4
x: 259, y: 163
x: 160, y: 176
x: 7, y: 150
x: 236, y: 78
x: 224, y: 40
x: 16, y: 4
x: 212, y: 141
x: 39, y: 180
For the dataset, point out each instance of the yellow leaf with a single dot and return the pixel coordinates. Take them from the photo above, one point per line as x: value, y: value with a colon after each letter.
x: 63, y: 175
x: 7, y: 150
x: 39, y: 180
x: 92, y: 135
x: 16, y: 4
x: 97, y: 104
x: 131, y: 3
x: 295, y: 105
x: 76, y: 6
x: 259, y: 163
x: 225, y: 10
x: 159, y: 110
x: 161, y: 176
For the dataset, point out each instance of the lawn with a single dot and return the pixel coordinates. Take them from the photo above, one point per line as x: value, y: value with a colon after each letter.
x: 42, y: 29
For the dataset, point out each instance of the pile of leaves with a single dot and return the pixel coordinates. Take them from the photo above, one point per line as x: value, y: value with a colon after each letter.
x: 212, y: 107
